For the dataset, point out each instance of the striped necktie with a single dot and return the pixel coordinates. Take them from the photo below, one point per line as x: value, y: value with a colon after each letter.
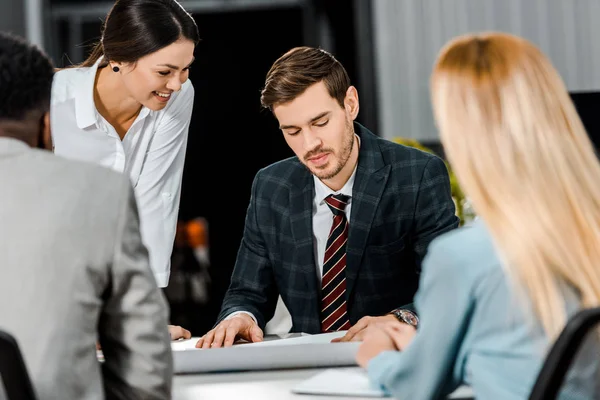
x: 334, y: 316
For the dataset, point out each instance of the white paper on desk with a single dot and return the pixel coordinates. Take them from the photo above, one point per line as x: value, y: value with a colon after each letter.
x: 248, y: 357
x: 188, y: 344
x: 339, y: 382
x: 306, y: 339
x: 354, y: 382
x: 185, y: 344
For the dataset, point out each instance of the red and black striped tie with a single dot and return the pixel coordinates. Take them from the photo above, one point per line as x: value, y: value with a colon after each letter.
x: 334, y: 315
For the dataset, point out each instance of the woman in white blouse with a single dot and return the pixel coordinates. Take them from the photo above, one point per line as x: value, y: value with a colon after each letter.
x: 128, y: 107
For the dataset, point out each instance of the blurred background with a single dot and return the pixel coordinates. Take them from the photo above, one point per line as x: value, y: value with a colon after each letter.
x: 388, y: 48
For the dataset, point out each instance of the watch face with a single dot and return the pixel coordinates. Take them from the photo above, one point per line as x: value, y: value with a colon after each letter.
x: 409, y: 317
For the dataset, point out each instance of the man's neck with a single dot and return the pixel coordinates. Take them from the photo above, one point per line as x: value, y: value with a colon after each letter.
x: 20, y: 130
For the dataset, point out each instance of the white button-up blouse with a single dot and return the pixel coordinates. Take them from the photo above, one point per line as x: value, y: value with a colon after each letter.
x: 152, y: 153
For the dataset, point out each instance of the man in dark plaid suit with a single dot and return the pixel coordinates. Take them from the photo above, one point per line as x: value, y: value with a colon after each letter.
x: 394, y: 200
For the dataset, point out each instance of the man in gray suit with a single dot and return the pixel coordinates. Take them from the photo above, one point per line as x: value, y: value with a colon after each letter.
x: 73, y: 267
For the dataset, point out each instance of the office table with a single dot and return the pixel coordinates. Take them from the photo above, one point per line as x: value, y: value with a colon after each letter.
x: 263, y: 385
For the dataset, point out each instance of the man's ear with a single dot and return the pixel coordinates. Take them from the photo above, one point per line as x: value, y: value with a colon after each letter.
x: 46, y: 133
x: 351, y: 102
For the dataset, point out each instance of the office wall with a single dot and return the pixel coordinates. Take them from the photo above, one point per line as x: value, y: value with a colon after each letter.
x: 408, y: 35
x: 12, y: 16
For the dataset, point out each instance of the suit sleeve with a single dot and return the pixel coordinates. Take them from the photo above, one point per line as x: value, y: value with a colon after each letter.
x: 425, y: 369
x: 252, y: 288
x: 133, y: 324
x: 435, y: 212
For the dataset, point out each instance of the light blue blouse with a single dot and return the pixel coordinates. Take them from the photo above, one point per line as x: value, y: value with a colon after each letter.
x: 474, y: 331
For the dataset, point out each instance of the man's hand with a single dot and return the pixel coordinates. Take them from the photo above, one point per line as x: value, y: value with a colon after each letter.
x: 178, y: 332
x: 357, y: 332
x: 242, y: 326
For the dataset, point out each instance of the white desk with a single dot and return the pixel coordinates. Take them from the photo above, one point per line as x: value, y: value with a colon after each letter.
x: 263, y: 385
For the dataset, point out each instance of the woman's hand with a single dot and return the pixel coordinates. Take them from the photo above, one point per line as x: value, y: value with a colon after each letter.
x: 384, y: 336
x: 178, y: 332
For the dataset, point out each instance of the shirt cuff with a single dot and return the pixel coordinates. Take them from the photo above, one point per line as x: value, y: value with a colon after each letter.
x: 162, y: 279
x: 379, y: 367
x: 233, y: 314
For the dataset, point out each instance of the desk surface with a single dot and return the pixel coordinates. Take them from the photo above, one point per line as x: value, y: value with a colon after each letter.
x: 263, y: 385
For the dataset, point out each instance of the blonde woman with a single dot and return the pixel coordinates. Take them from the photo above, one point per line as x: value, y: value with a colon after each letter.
x: 494, y: 296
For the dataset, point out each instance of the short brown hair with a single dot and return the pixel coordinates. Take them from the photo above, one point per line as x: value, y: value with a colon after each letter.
x: 300, y: 68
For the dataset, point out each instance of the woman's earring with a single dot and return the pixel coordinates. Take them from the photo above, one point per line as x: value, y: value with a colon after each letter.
x: 116, y: 69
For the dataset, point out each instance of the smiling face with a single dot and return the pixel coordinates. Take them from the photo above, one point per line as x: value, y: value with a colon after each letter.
x: 153, y: 78
x: 321, y: 133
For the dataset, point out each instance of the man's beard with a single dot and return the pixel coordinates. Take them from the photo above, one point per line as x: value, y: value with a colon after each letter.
x: 343, y: 158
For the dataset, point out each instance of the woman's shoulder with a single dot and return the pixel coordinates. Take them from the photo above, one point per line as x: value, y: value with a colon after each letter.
x: 65, y: 83
x: 470, y: 248
x: 181, y: 103
x: 62, y: 74
x: 187, y: 91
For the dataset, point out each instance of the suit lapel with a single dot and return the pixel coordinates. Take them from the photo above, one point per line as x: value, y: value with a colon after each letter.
x: 301, y: 209
x: 370, y: 181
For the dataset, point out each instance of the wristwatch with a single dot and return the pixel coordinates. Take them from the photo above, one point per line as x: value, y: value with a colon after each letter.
x: 406, y: 316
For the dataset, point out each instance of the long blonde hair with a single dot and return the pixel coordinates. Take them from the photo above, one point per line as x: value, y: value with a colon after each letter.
x: 521, y: 153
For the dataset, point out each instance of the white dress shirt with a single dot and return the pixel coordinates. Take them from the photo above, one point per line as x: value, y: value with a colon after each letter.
x: 152, y: 153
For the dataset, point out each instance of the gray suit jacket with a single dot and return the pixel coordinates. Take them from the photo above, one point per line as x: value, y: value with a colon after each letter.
x: 73, y: 270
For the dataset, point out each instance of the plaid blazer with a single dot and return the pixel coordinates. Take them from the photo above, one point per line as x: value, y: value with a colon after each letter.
x: 400, y: 202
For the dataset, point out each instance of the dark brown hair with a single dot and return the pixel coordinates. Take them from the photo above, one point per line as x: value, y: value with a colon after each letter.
x: 300, y: 68
x: 135, y: 28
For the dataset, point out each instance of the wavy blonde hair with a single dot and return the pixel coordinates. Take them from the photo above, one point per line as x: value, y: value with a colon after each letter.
x: 521, y: 153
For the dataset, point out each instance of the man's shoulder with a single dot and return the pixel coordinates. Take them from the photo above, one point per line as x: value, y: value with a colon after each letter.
x: 397, y: 153
x: 75, y: 174
x: 74, y: 194
x: 281, y: 171
x: 408, y: 165
x: 391, y: 151
x: 274, y: 183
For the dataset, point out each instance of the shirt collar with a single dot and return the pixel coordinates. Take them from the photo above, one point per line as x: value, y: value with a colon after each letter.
x: 86, y: 112
x: 322, y: 190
